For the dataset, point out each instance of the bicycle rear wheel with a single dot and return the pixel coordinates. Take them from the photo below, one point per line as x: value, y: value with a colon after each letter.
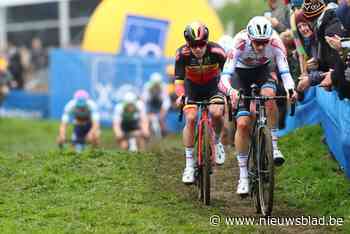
x: 206, y: 167
x: 265, y: 170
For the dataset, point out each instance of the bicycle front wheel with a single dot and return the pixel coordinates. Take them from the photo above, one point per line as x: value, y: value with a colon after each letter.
x: 253, y: 175
x: 265, y: 170
x: 206, y: 159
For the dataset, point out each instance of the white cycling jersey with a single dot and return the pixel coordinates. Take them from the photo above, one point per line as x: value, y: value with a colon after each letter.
x: 70, y: 111
x: 243, y: 55
x: 119, y: 110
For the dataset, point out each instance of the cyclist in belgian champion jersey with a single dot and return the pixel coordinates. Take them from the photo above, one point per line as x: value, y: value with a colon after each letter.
x: 255, y: 49
x: 197, y: 72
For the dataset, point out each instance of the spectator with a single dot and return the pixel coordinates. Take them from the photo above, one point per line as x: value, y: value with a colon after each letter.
x: 343, y: 13
x: 5, y: 78
x: 278, y: 15
x: 308, y: 41
x: 15, y: 65
x: 342, y: 69
x: 326, y: 24
x: 38, y: 76
x: 38, y: 55
x: 302, y: 56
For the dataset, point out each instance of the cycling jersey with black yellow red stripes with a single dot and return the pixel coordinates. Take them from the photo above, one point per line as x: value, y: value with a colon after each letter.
x: 199, y: 76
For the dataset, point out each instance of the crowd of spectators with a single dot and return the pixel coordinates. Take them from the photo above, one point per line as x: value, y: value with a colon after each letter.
x: 27, y: 66
x: 313, y: 31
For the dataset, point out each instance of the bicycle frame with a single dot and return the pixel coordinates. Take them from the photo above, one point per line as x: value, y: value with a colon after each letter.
x: 203, y: 118
x: 260, y: 152
x: 204, y: 138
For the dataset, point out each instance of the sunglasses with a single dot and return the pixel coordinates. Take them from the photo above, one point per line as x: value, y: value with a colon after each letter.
x: 197, y: 44
x: 261, y: 42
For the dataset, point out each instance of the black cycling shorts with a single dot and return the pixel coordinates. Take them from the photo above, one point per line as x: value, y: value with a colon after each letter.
x: 244, y: 78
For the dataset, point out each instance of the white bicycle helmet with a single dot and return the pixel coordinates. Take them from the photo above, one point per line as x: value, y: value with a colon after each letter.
x: 130, y: 98
x: 259, y: 28
x: 156, y: 78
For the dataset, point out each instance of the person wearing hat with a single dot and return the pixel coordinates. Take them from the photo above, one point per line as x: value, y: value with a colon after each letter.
x: 312, y: 76
x: 295, y: 8
x: 325, y: 24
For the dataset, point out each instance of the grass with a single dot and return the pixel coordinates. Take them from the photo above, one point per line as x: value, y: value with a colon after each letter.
x: 44, y: 190
x: 100, y: 191
x: 312, y: 180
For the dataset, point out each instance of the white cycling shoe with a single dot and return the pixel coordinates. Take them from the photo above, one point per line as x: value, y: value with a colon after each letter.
x: 188, y: 175
x: 243, y: 186
x: 278, y: 158
x: 220, y: 154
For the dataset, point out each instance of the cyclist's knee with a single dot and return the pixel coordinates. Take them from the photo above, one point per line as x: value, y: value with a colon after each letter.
x: 191, y: 116
x: 217, y: 114
x: 268, y: 92
x: 243, y: 124
x: 270, y: 105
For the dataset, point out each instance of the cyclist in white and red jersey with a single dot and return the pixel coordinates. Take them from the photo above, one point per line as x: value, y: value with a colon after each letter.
x: 250, y: 61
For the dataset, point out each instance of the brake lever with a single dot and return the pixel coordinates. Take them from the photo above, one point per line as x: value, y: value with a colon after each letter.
x: 292, y: 107
x: 240, y: 92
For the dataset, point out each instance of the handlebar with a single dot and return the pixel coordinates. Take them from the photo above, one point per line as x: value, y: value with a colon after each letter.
x: 256, y: 96
x: 203, y: 103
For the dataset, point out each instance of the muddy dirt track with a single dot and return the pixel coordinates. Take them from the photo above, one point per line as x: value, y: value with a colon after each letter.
x: 224, y: 181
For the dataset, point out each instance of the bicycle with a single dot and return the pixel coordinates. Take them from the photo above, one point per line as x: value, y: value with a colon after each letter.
x: 204, y: 146
x: 260, y: 158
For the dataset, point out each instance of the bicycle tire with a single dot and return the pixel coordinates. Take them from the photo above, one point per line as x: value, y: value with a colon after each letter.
x: 206, y: 167
x: 266, y: 171
x: 253, y: 175
x: 198, y: 168
x: 199, y: 183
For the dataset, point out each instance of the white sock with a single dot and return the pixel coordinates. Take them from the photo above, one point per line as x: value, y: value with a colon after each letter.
x: 189, y: 157
x: 274, y: 138
x: 242, y: 163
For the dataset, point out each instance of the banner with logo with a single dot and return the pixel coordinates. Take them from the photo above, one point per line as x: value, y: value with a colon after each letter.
x: 143, y: 36
x: 106, y: 77
x: 25, y: 104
